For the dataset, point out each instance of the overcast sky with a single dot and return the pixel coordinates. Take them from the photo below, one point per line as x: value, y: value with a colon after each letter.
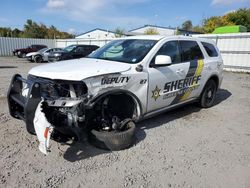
x: 79, y: 16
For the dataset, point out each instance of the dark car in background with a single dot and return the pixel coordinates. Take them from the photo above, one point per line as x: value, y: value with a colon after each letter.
x: 21, y: 52
x: 72, y: 52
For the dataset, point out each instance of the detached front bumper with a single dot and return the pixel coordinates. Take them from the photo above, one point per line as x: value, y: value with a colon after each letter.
x: 23, y: 98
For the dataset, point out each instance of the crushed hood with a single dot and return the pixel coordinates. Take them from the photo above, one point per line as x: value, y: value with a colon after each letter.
x: 78, y: 69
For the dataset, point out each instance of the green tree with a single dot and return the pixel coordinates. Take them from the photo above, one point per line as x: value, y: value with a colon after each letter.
x: 119, y: 32
x: 34, y: 30
x: 198, y: 28
x: 5, y: 32
x: 215, y: 21
x: 240, y: 17
x: 187, y: 25
x: 151, y: 31
x: 16, y: 33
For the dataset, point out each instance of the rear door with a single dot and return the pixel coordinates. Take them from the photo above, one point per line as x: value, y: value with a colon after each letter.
x: 194, y: 79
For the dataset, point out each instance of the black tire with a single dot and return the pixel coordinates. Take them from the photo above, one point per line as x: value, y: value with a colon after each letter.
x: 113, y: 141
x: 208, y: 94
x: 38, y: 59
x: 22, y: 55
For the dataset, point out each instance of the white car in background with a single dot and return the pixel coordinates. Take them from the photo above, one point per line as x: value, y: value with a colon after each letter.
x: 41, y: 55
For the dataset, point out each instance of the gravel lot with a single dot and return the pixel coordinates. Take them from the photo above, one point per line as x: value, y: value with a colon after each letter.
x: 187, y: 147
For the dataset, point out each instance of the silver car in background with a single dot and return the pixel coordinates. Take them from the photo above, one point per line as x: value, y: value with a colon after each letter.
x: 41, y: 55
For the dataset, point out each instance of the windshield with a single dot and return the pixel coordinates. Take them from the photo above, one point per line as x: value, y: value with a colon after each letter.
x: 69, y: 48
x: 42, y: 50
x: 127, y: 50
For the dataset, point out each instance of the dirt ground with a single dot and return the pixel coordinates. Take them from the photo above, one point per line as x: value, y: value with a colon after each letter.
x: 187, y: 147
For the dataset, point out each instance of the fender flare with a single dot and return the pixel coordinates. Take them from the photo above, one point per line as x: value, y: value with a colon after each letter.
x: 215, y: 77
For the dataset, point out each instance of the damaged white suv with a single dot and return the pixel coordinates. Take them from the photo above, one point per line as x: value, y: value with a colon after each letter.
x: 124, y: 81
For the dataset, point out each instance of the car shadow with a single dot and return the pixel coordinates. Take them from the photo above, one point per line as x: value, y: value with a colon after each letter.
x: 182, y: 112
x: 80, y: 150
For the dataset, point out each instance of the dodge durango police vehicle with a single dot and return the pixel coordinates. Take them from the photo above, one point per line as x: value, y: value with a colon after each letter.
x: 127, y: 80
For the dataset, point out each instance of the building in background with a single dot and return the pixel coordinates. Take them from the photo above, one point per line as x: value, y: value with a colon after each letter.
x: 96, y: 34
x: 167, y: 31
x: 146, y: 29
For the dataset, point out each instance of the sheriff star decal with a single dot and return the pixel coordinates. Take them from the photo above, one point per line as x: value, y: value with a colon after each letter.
x: 156, y: 93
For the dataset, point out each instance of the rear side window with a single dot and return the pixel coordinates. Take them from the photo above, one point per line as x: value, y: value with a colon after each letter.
x: 190, y: 50
x: 210, y: 49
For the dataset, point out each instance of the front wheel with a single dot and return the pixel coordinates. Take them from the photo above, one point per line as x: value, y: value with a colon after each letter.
x: 21, y: 55
x: 208, y: 95
x: 113, y: 140
x: 38, y: 59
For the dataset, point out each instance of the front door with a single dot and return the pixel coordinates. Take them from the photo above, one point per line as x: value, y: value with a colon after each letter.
x: 164, y: 81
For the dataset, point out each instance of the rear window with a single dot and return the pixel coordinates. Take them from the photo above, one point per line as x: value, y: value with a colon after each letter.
x: 190, y: 50
x: 210, y: 49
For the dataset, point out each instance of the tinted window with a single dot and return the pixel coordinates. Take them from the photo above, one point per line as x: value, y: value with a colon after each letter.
x: 69, y: 48
x: 190, y: 50
x: 171, y: 49
x: 79, y: 49
x: 210, y: 49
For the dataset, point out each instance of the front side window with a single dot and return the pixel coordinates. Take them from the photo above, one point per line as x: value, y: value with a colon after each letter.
x: 171, y: 49
x: 127, y: 50
x: 190, y: 50
x: 210, y: 49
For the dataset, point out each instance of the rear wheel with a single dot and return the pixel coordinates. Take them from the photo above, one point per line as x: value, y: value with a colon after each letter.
x: 208, y: 95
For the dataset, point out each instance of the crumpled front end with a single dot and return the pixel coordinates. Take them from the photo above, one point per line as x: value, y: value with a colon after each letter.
x: 72, y: 108
x: 46, y: 105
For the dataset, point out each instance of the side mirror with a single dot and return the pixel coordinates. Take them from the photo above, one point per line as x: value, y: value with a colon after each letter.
x: 162, y: 60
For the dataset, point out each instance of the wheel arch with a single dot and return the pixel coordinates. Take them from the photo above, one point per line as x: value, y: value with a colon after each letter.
x: 215, y: 78
x: 135, y: 99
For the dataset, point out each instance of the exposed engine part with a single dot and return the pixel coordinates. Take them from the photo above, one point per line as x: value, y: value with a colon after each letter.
x: 58, y: 88
x: 115, y: 123
x: 64, y: 102
x: 114, y: 112
x: 119, y: 125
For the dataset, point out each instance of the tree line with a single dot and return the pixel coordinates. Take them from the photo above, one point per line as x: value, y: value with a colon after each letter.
x: 238, y: 17
x: 32, y: 29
